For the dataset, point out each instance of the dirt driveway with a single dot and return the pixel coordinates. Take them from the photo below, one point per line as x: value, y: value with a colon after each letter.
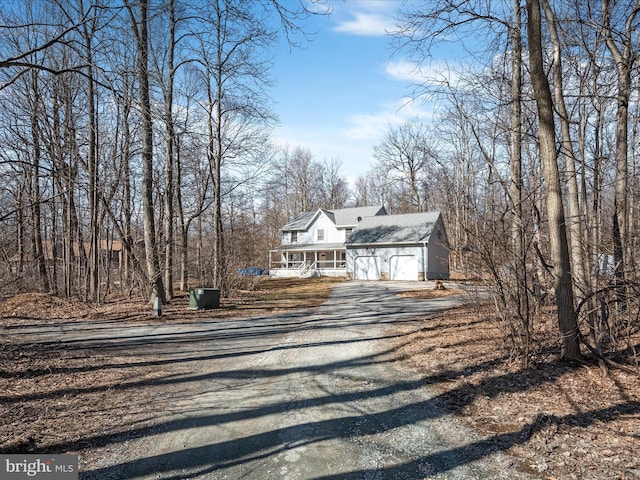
x: 294, y: 396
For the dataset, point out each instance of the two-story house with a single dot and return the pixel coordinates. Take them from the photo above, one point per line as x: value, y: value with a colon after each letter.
x: 363, y: 244
x: 314, y: 242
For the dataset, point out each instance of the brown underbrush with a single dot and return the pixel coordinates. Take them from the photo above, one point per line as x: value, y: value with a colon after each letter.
x: 558, y: 420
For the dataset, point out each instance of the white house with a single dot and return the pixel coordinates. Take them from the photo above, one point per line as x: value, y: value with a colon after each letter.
x: 314, y: 242
x: 412, y: 246
x: 363, y: 243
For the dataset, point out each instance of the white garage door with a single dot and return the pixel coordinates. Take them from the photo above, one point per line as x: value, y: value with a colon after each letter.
x: 403, y: 267
x: 366, y: 268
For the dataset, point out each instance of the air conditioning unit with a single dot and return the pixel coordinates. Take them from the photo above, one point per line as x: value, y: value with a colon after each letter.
x: 204, y: 298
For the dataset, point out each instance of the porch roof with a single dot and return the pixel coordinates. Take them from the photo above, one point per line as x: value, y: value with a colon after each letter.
x: 310, y: 247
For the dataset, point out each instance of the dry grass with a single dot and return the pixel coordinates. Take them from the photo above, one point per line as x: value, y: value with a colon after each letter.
x: 267, y: 296
x: 427, y: 294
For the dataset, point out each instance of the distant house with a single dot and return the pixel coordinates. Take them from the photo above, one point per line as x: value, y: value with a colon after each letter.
x: 313, y: 243
x: 364, y: 244
x: 108, y: 250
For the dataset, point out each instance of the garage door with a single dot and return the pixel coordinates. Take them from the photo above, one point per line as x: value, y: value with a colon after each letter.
x: 366, y: 268
x: 403, y: 267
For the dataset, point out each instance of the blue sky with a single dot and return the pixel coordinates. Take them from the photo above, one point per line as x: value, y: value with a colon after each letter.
x: 338, y: 94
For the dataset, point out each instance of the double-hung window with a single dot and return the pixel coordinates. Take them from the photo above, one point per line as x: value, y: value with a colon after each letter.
x: 320, y: 235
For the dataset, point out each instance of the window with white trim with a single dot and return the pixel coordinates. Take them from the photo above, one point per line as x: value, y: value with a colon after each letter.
x: 320, y: 235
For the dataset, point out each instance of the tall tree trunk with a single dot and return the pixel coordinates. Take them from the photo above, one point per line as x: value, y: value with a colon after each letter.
x: 170, y: 144
x: 574, y: 221
x: 218, y: 245
x: 127, y: 239
x: 154, y: 274
x: 36, y: 215
x: 184, y: 226
x: 555, y: 211
x: 92, y: 164
x: 517, y: 227
x: 624, y: 60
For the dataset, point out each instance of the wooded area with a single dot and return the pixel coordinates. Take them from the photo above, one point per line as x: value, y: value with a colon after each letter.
x: 136, y: 156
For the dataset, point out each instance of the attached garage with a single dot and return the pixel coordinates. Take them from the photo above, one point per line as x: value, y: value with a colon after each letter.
x: 403, y: 267
x: 366, y: 267
x: 399, y: 247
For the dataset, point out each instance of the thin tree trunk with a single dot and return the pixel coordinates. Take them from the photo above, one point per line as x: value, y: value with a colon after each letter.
x: 154, y: 275
x: 36, y: 216
x: 517, y: 227
x: 567, y: 323
x: 624, y: 60
x: 170, y: 144
x: 184, y: 227
x: 92, y: 164
x: 218, y: 254
x: 574, y: 221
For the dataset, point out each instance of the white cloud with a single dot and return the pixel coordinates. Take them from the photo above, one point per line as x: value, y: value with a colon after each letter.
x: 366, y: 24
x: 371, y: 19
x: 436, y: 73
x: 373, y: 126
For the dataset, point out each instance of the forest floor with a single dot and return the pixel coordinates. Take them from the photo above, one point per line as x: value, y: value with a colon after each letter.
x: 558, y: 420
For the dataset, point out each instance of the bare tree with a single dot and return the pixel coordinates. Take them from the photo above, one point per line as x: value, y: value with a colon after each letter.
x: 405, y: 153
x: 166, y: 71
x: 555, y: 210
x: 619, y: 38
x: 574, y: 220
x: 36, y: 213
x: 234, y: 72
x: 140, y: 24
x: 337, y: 192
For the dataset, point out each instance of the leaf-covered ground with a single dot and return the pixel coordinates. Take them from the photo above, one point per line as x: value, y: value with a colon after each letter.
x: 558, y: 421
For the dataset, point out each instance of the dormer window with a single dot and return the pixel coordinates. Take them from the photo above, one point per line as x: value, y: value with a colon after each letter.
x: 320, y: 235
x: 294, y: 237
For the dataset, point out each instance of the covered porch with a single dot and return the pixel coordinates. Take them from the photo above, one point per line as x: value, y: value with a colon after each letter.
x: 308, y: 260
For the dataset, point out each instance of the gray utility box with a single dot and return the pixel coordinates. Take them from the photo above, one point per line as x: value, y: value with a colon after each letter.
x: 204, y: 298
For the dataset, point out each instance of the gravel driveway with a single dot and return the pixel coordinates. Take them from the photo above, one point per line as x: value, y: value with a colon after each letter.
x: 317, y: 395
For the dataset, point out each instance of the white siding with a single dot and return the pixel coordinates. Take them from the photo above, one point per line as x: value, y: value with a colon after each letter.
x: 303, y: 238
x: 331, y: 233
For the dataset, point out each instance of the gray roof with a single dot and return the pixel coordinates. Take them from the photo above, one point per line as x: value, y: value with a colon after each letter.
x: 348, y: 217
x: 343, y: 217
x: 300, y: 222
x: 395, y: 229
